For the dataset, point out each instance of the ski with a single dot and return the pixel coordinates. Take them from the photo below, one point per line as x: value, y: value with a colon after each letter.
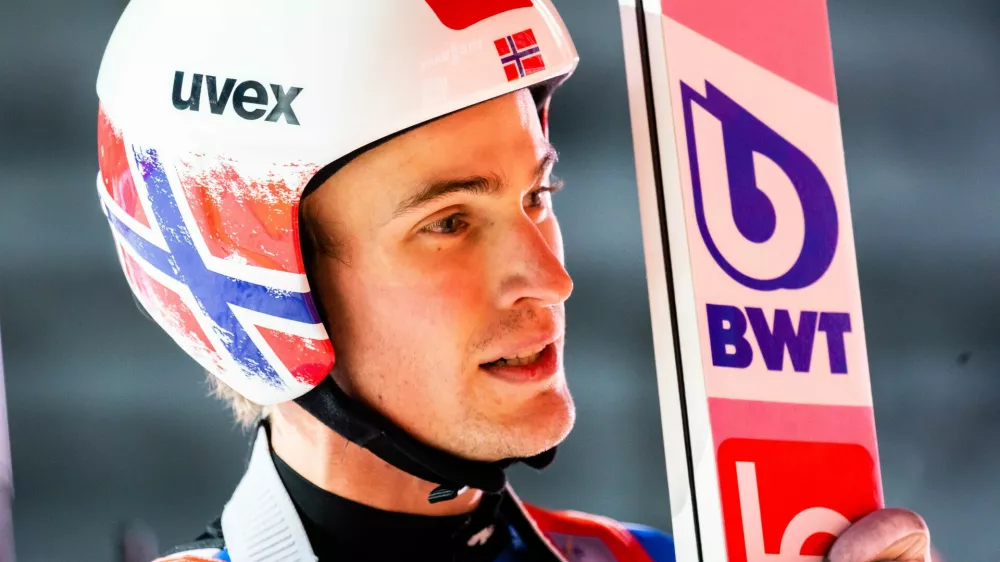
x: 761, y: 363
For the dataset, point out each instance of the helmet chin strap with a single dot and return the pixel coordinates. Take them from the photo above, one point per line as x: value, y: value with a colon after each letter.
x: 366, y: 428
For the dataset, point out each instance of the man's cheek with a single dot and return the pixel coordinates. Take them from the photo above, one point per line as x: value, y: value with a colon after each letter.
x: 452, y: 290
x: 439, y: 311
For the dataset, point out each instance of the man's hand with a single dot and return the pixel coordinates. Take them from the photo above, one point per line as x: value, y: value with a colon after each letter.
x: 891, y: 535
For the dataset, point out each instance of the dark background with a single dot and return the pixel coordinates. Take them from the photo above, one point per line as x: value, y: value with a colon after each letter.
x: 109, y: 420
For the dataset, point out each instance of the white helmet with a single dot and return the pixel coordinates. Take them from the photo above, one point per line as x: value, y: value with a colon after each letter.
x: 216, y: 114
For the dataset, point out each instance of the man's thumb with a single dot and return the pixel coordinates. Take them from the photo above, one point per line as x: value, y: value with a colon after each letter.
x: 896, y: 535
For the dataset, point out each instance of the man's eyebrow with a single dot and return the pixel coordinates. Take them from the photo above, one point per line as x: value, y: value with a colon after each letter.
x: 548, y: 160
x: 476, y: 185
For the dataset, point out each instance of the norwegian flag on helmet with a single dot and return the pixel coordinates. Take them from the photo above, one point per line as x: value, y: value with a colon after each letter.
x: 520, y: 54
x: 211, y: 254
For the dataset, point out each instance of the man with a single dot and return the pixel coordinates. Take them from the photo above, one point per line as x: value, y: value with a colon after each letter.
x: 373, y: 178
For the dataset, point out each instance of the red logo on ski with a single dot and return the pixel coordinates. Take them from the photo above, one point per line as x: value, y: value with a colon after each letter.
x: 786, y: 499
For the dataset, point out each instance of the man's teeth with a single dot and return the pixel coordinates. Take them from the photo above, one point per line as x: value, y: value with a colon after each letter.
x: 517, y: 361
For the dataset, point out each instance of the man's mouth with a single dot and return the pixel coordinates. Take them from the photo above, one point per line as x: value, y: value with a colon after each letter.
x: 523, y: 358
x: 533, y: 364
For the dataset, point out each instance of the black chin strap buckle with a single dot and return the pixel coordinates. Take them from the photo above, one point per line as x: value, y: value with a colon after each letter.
x: 444, y: 493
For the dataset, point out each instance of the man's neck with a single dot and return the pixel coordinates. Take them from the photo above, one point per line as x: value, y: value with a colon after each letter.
x: 338, y: 466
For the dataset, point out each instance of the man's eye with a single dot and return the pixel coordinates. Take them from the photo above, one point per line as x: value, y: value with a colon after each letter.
x: 542, y: 196
x: 452, y: 224
x: 537, y: 198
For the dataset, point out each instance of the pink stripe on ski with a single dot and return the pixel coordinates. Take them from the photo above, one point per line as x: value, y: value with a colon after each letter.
x: 752, y: 419
x: 790, y: 38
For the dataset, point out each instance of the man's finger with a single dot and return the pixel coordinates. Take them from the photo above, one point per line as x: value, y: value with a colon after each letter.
x: 896, y: 535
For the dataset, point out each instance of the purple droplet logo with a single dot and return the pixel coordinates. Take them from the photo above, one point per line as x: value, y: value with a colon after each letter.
x: 753, y: 212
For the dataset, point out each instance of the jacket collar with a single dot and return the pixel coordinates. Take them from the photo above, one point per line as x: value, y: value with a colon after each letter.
x: 260, y: 522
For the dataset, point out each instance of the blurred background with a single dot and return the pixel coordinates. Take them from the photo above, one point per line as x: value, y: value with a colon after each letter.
x: 109, y: 421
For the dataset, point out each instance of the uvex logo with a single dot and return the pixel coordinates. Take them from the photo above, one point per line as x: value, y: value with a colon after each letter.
x: 247, y: 97
x: 785, y: 501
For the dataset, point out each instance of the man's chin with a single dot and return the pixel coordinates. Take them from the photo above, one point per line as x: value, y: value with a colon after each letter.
x: 524, y: 430
x: 536, y: 432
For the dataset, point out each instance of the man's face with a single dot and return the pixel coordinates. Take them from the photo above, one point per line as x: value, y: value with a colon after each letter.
x: 445, y: 258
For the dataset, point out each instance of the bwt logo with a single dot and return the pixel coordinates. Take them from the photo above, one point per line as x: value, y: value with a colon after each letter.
x: 727, y: 331
x: 753, y: 213
x: 745, y: 141
x: 245, y: 96
x: 786, y: 501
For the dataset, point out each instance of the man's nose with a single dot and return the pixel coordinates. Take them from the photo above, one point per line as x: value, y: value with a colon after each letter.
x: 532, y: 266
